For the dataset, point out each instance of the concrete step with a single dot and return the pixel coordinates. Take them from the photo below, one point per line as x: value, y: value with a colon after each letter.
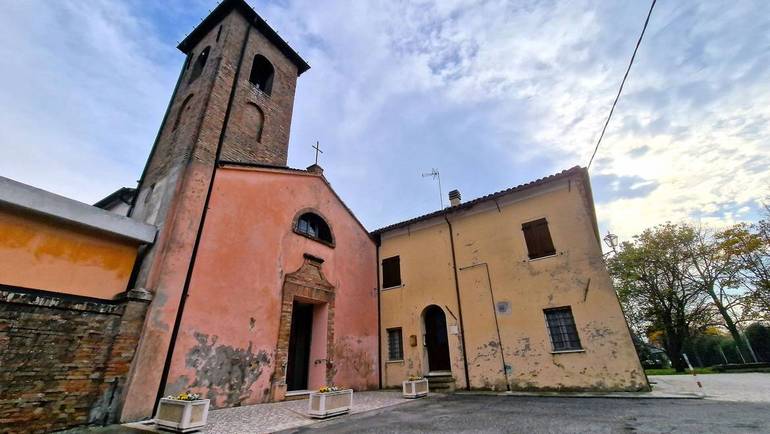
x: 295, y: 395
x: 441, y: 383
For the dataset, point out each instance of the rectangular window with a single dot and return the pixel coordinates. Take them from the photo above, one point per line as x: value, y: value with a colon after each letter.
x: 391, y: 272
x: 395, y: 345
x: 538, y: 238
x: 561, y: 327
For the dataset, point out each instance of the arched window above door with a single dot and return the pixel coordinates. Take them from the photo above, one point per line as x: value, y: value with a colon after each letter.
x: 313, y: 226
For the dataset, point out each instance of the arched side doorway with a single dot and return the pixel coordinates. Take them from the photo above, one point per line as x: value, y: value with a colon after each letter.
x: 436, y: 340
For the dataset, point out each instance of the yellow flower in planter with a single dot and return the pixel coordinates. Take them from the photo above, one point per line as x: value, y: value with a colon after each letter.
x: 185, y: 396
x: 327, y: 389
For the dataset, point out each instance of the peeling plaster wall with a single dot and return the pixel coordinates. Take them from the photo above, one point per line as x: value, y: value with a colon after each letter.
x: 426, y: 274
x: 172, y: 196
x: 486, y: 236
x: 228, y: 335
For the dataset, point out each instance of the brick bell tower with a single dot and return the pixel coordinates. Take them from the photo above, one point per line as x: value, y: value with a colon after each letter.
x: 233, y: 102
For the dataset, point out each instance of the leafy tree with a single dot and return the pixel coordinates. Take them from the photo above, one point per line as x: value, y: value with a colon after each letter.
x: 751, y: 245
x: 705, y: 348
x: 653, y: 279
x: 714, y: 268
x: 759, y: 336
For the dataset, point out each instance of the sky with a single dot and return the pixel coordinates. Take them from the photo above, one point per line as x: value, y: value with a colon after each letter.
x: 491, y: 93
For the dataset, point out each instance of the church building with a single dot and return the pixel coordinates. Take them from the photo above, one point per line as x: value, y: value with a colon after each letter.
x: 230, y: 274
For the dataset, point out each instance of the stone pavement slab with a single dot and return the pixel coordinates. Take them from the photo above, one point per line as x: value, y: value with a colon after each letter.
x: 264, y: 418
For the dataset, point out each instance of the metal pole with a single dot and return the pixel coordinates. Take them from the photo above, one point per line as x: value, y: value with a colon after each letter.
x: 440, y: 193
x: 694, y: 375
x: 723, y: 354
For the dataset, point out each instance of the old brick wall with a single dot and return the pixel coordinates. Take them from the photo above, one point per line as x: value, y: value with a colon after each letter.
x: 63, y: 359
x: 272, y: 147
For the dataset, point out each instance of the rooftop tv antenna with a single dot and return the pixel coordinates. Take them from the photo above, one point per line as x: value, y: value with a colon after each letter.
x: 436, y: 176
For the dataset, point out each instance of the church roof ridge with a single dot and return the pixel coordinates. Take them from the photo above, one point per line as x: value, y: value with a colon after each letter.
x: 254, y: 18
x: 261, y: 166
x: 465, y: 205
x: 272, y: 167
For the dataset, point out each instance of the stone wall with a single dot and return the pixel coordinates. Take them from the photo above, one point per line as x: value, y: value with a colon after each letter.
x: 64, y: 359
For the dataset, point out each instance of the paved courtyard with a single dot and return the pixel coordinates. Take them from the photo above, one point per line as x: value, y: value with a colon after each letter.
x: 264, y: 417
x: 747, y: 387
x: 735, y: 403
x: 513, y: 414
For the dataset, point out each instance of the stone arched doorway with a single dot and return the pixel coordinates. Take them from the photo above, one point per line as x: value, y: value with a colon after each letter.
x: 436, y: 340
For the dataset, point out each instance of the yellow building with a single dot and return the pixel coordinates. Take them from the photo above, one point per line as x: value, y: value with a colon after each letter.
x: 508, y: 291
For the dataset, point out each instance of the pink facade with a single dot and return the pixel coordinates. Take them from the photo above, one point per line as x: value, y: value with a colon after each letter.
x: 230, y: 334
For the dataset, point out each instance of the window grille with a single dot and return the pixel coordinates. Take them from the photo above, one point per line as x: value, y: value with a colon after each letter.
x: 395, y: 345
x: 561, y: 327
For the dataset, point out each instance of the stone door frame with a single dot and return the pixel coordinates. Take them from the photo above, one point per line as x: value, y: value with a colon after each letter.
x: 306, y: 285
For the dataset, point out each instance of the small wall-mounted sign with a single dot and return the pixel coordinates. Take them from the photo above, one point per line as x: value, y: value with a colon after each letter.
x: 503, y: 307
x: 453, y: 330
x: 412, y: 340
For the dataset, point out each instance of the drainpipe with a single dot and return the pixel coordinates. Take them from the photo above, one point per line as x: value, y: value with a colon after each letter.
x: 378, y: 242
x: 497, y: 323
x: 191, y: 266
x: 459, y: 305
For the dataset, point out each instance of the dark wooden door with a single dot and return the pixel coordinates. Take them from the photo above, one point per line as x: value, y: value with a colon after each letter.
x: 436, y: 339
x: 299, y: 346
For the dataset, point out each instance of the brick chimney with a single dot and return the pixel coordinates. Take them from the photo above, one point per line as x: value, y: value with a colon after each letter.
x: 454, y: 197
x: 314, y: 168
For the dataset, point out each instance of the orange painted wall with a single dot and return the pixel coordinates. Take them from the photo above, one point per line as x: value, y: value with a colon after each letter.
x: 40, y: 253
x: 228, y: 335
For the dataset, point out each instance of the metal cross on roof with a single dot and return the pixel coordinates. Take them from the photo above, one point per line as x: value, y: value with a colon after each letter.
x: 317, y: 148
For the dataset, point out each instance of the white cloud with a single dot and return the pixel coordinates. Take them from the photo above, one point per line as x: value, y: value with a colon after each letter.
x: 493, y: 93
x: 84, y: 85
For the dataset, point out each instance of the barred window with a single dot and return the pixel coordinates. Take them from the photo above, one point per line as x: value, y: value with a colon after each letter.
x: 561, y: 327
x: 395, y: 345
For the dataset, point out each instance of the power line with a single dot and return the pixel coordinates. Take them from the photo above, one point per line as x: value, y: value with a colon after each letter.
x: 598, y: 142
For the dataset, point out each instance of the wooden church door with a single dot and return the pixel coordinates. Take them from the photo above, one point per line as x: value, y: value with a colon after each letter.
x: 298, y: 362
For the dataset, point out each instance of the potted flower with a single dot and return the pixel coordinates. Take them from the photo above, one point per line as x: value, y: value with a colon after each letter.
x: 415, y: 387
x: 182, y: 413
x: 330, y: 401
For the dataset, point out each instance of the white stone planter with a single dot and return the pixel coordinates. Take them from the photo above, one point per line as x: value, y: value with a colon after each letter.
x: 415, y: 388
x: 323, y: 405
x: 182, y: 416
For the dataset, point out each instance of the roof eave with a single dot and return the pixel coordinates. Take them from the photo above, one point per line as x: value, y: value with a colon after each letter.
x: 493, y: 196
x: 21, y: 196
x: 221, y: 11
